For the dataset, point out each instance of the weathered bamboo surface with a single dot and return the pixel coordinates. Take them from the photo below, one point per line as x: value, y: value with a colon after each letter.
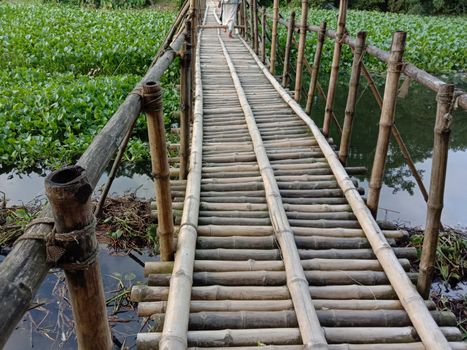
x: 240, y: 296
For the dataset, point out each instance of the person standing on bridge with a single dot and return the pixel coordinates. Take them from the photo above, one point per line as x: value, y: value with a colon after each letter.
x: 229, y: 14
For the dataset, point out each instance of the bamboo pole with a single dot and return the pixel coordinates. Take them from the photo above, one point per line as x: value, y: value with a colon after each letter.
x: 245, y: 20
x: 216, y: 320
x: 272, y: 63
x: 160, y: 167
x: 288, y: 336
x: 69, y: 194
x: 340, y: 33
x: 437, y: 183
x: 174, y: 334
x: 301, y: 51
x: 288, y: 48
x: 386, y: 120
x: 263, y: 35
x: 310, y: 329
x: 352, y: 97
x: 113, y: 172
x: 426, y: 327
x: 397, y: 136
x: 185, y: 103
x: 315, y: 67
x: 148, y: 308
x: 255, y: 25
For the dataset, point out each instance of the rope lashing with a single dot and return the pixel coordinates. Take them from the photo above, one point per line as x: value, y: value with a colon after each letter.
x: 56, y: 251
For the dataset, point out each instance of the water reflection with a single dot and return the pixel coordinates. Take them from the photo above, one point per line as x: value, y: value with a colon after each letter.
x: 415, y: 117
x: 50, y: 324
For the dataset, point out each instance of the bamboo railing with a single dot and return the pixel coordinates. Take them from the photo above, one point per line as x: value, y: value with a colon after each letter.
x: 446, y: 103
x: 26, y: 266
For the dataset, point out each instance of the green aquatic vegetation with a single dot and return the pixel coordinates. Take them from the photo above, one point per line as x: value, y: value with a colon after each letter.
x: 435, y: 44
x: 451, y: 254
x: 81, y: 41
x: 64, y: 71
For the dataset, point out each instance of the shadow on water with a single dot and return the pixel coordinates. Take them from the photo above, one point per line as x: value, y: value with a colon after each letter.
x: 401, y: 199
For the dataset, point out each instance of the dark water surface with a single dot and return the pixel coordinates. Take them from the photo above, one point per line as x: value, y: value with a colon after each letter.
x: 50, y: 325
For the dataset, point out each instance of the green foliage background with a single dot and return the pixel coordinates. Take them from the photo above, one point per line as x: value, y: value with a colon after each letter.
x: 63, y: 73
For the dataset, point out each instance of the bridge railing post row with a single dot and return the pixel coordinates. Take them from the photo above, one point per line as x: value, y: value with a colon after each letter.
x: 386, y: 120
x: 442, y: 132
x: 69, y: 194
x: 263, y: 35
x: 340, y: 33
x: 185, y: 103
x: 352, y: 97
x: 288, y: 49
x: 152, y: 96
x: 275, y: 20
x: 301, y: 50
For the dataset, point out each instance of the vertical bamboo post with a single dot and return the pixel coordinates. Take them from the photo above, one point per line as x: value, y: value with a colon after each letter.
x: 315, y: 67
x: 152, y: 96
x: 288, y: 48
x: 69, y: 194
x: 301, y: 51
x: 245, y: 20
x: 335, y: 66
x: 275, y: 20
x: 185, y: 103
x: 397, y: 136
x: 386, y: 120
x: 352, y: 97
x: 255, y: 26
x: 437, y: 181
x: 263, y: 35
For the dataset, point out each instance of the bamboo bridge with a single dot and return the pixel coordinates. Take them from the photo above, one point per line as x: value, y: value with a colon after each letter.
x: 274, y: 245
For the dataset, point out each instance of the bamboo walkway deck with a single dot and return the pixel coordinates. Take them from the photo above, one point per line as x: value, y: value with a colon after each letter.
x: 240, y: 295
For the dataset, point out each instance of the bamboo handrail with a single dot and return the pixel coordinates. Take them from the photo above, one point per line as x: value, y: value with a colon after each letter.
x: 174, y: 334
x: 24, y: 269
x: 427, y: 329
x: 310, y: 329
x: 408, y: 69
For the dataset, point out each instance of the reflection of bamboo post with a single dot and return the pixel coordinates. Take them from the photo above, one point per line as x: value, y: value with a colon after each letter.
x: 437, y: 182
x: 185, y: 104
x: 69, y: 194
x: 386, y: 120
x: 335, y: 66
x: 160, y: 167
x: 315, y: 67
x: 275, y: 20
x: 397, y: 136
x: 301, y: 50
x: 288, y: 48
x: 352, y: 97
x: 263, y: 35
